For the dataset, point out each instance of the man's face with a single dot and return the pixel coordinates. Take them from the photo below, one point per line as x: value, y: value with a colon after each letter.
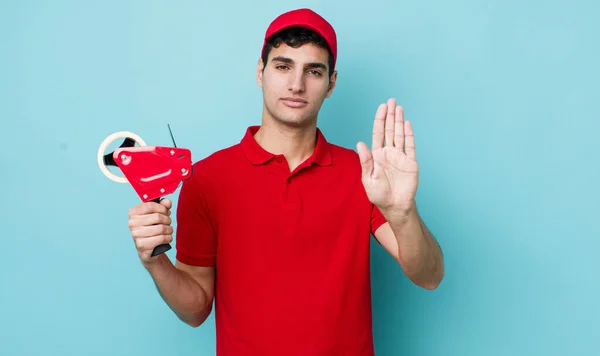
x: 295, y: 83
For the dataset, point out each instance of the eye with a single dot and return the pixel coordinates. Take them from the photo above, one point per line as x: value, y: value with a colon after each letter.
x: 282, y: 67
x: 315, y: 72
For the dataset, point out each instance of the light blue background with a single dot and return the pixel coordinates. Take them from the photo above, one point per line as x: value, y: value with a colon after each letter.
x: 503, y: 97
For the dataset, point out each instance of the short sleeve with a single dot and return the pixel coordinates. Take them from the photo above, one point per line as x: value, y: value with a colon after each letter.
x: 377, y: 219
x: 196, y: 238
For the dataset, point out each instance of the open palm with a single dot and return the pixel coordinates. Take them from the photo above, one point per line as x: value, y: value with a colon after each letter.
x: 390, y: 170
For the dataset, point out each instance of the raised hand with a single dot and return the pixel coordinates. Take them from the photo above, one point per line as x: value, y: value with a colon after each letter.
x: 390, y: 171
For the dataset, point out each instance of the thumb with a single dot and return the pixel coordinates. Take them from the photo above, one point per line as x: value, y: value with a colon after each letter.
x: 366, y: 159
x: 166, y: 202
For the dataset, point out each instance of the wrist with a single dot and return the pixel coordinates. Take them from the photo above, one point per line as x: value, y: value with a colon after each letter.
x: 155, y: 263
x: 400, y: 212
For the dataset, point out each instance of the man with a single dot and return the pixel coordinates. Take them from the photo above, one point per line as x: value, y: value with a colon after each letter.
x: 276, y: 229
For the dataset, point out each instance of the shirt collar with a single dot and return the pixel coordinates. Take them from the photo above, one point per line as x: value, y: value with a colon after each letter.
x: 258, y: 155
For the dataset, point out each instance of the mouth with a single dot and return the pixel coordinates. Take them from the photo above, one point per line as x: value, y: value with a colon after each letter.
x: 294, y: 102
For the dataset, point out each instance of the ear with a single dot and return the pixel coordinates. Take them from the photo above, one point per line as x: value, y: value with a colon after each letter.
x: 259, y: 72
x: 332, y: 81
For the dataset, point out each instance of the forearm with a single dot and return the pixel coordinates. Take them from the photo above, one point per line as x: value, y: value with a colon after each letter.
x: 418, y: 251
x: 180, y: 291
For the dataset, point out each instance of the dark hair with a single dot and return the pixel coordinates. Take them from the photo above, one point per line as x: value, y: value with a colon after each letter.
x: 296, y: 37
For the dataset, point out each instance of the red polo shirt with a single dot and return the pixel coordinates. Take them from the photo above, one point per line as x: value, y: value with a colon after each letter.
x: 291, y: 249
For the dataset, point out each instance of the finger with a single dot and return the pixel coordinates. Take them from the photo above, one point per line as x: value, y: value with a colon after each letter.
x: 410, y: 148
x: 162, y: 207
x: 149, y: 220
x: 151, y: 242
x: 389, y: 123
x: 167, y: 203
x: 150, y: 208
x: 366, y: 159
x: 142, y: 232
x: 399, y: 128
x: 379, y: 127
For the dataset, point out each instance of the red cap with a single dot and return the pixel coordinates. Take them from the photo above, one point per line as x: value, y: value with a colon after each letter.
x: 305, y: 18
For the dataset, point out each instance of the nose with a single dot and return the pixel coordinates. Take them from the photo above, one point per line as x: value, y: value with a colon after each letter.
x: 296, y: 82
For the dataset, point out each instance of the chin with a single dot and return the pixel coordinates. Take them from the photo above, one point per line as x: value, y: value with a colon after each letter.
x: 295, y: 118
x: 295, y: 121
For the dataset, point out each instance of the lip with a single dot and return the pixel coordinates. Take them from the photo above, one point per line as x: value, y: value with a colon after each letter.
x: 294, y: 99
x: 294, y: 102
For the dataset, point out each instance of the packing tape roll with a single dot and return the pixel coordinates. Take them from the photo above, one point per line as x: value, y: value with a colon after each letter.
x: 107, y: 141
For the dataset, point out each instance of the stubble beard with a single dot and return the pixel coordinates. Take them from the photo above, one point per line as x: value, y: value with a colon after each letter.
x: 290, y: 120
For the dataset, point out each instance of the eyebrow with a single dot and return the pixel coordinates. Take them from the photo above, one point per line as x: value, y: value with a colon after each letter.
x: 291, y: 61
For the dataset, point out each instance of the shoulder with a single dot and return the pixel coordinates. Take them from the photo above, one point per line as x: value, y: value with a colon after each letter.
x: 209, y: 170
x: 218, y: 161
x: 345, y: 157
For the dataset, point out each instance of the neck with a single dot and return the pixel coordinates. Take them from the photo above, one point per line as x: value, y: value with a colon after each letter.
x: 296, y: 144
